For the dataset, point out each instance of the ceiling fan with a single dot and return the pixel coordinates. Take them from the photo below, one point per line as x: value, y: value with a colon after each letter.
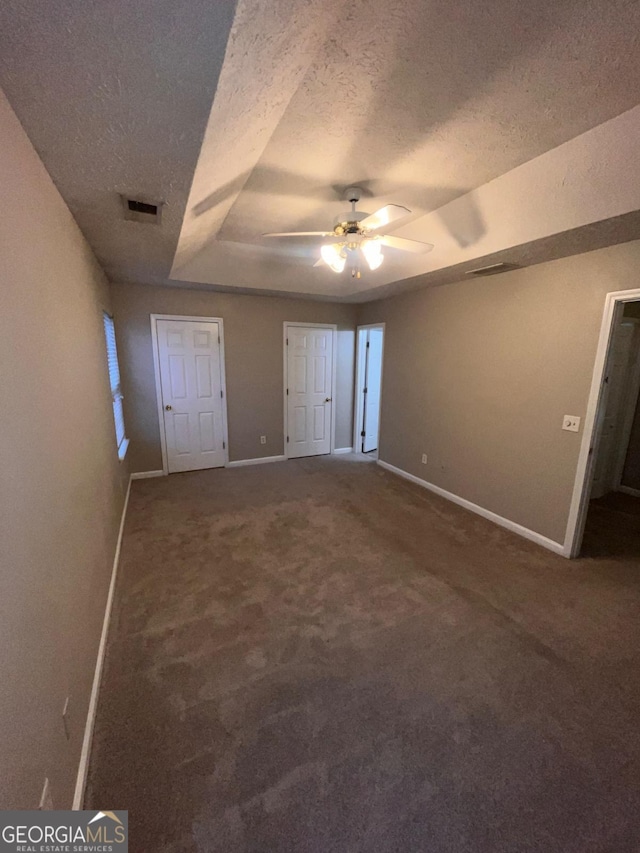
x: 356, y: 235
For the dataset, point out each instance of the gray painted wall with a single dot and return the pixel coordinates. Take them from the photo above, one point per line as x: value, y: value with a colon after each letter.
x: 479, y: 374
x: 253, y: 327
x: 62, y: 486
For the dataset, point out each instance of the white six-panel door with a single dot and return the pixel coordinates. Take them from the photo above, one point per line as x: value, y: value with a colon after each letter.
x: 309, y: 399
x: 190, y: 365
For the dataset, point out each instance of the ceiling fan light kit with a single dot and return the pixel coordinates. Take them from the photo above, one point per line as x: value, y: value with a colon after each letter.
x: 333, y: 256
x: 361, y: 238
x: 372, y: 250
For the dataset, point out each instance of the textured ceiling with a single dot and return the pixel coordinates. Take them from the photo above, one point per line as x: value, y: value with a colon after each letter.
x: 115, y: 97
x: 253, y: 119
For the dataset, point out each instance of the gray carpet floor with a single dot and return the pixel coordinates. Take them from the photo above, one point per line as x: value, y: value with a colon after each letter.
x: 318, y: 656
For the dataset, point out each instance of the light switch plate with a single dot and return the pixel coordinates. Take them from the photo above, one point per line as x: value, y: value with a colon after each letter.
x: 571, y: 423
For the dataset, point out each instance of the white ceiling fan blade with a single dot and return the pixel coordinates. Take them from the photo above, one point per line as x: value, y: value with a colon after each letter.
x: 406, y: 245
x: 381, y: 218
x: 300, y: 234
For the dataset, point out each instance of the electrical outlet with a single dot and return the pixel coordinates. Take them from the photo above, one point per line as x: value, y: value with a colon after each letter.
x: 46, y: 800
x: 263, y: 439
x: 424, y: 458
x: 571, y: 423
x: 65, y: 719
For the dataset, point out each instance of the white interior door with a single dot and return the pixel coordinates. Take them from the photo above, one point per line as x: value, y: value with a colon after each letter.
x: 192, y: 404
x: 373, y: 384
x: 309, y: 379
x: 617, y: 376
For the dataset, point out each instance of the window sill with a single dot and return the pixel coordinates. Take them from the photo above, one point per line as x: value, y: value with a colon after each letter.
x: 122, y: 450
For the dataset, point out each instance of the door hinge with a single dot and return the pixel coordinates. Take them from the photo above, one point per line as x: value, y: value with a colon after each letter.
x: 218, y: 338
x: 287, y: 439
x: 224, y: 445
x: 367, y: 344
x: 222, y: 394
x: 287, y: 392
x: 362, y: 434
x: 287, y: 341
x: 364, y: 390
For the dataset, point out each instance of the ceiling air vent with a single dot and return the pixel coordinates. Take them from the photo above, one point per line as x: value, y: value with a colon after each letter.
x: 494, y: 269
x: 142, y: 210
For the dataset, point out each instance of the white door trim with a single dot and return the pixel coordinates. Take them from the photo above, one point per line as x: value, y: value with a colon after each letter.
x: 588, y: 449
x: 156, y: 368
x: 334, y: 363
x: 358, y: 412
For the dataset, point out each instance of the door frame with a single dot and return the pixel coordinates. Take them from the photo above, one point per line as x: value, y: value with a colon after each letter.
x: 358, y: 403
x: 156, y: 368
x: 613, y: 307
x: 334, y: 366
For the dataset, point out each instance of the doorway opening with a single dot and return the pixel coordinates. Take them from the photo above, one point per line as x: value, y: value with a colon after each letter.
x: 607, y: 522
x: 369, y: 358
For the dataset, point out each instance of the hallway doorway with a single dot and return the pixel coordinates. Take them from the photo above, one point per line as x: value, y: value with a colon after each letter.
x: 612, y: 490
x: 369, y: 358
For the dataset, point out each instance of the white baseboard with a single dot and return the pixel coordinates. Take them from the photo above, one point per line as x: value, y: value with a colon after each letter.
x: 144, y: 475
x: 343, y: 450
x: 85, y: 752
x: 538, y: 538
x: 259, y: 460
x: 629, y: 491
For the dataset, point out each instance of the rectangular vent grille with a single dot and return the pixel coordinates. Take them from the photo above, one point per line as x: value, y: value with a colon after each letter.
x: 142, y: 210
x: 494, y: 269
x: 142, y: 207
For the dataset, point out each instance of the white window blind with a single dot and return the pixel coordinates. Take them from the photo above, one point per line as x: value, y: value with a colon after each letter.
x: 114, y: 379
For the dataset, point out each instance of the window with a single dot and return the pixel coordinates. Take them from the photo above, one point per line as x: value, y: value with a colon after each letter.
x: 114, y: 380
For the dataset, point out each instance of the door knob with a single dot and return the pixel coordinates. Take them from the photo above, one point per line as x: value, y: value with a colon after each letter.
x: 168, y: 408
x: 327, y: 399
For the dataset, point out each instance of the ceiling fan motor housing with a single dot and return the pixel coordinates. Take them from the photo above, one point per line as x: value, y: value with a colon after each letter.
x: 347, y: 222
